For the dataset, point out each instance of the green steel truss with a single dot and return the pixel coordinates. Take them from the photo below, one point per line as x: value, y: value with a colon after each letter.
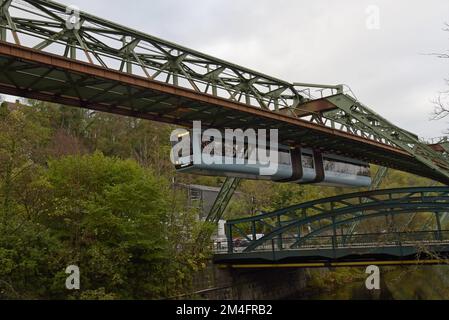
x: 380, y: 175
x: 355, y: 116
x: 334, y: 217
x: 218, y: 209
x: 221, y: 202
x: 42, y: 25
x: 50, y: 27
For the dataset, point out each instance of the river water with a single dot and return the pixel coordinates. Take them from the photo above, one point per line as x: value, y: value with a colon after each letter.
x: 401, y: 283
x: 351, y: 291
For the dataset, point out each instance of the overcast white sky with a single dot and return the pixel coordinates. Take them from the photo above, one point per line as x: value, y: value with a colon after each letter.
x: 320, y: 41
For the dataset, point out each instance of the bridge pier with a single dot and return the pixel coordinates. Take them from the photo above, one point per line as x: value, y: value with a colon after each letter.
x: 249, y: 284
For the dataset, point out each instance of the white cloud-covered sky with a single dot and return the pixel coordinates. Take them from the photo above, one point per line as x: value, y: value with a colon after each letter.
x: 321, y: 41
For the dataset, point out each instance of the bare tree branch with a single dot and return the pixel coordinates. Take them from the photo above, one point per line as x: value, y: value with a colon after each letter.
x: 440, y: 55
x: 441, y: 108
x: 441, y: 104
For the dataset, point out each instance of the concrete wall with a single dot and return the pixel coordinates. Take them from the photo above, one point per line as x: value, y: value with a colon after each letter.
x: 240, y: 284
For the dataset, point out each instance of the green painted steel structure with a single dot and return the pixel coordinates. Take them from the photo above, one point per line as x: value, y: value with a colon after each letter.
x: 378, y: 178
x: 300, y: 226
x: 52, y: 27
x: 54, y: 53
x: 394, y: 248
x: 221, y: 202
x: 49, y: 27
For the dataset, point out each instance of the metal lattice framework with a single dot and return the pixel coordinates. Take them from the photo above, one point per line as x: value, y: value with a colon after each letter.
x: 54, y: 53
x: 362, y: 118
x: 51, y: 27
x: 221, y: 202
x: 301, y: 225
x: 219, y: 207
x: 380, y: 175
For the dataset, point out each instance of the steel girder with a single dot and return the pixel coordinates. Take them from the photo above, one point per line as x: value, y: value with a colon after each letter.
x: 50, y: 27
x: 223, y: 198
x: 356, y: 116
x: 47, y: 77
x: 45, y: 26
x: 399, y: 248
x: 336, y: 212
x: 380, y: 175
x: 218, y: 208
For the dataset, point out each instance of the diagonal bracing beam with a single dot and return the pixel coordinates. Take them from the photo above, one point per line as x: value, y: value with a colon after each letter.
x: 360, y: 117
x: 380, y: 175
x: 47, y: 25
x: 219, y: 207
x: 224, y: 197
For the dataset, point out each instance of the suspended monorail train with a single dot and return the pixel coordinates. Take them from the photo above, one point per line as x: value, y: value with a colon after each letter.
x: 294, y: 165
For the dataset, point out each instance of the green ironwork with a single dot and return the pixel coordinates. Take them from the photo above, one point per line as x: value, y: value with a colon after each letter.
x: 395, y: 248
x: 50, y: 27
x: 413, y: 216
x: 3, y: 21
x: 45, y: 25
x: 218, y: 209
x: 377, y: 180
x: 223, y: 198
x: 353, y: 115
x: 336, y: 213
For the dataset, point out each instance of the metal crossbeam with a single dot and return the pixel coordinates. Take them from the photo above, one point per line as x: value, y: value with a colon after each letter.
x: 359, y: 117
x: 51, y: 27
x: 393, y: 248
x: 51, y: 53
x: 412, y: 218
x: 45, y: 26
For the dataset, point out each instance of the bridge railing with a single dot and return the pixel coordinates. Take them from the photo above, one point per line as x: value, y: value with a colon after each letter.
x: 308, y: 221
x: 330, y: 242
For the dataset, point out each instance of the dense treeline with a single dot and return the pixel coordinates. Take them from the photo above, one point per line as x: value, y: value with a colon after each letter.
x: 95, y: 190
x: 92, y: 190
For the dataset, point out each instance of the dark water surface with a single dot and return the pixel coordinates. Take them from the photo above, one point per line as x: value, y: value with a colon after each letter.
x: 402, y: 283
x: 350, y: 291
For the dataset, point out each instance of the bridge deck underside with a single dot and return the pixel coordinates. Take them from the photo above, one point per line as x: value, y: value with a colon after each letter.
x: 32, y: 74
x: 338, y: 255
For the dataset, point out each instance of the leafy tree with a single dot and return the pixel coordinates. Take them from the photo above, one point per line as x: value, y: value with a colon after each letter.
x: 23, y: 243
x: 112, y: 217
x: 21, y: 144
x: 121, y: 223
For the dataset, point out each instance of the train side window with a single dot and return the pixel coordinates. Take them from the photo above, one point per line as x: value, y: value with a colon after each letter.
x: 284, y: 158
x: 329, y: 165
x: 346, y: 168
x: 364, y: 171
x: 213, y: 145
x: 307, y: 161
